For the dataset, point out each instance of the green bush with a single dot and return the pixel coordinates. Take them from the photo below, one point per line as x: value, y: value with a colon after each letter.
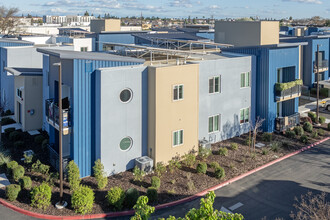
x: 288, y: 85
x: 201, y: 167
x: 267, y: 137
x: 204, y: 152
x: 304, y: 139
x: 11, y: 165
x: 131, y: 196
x: 275, y: 146
x: 223, y: 151
x: 160, y: 169
x: 39, y: 139
x: 44, y: 144
x: 25, y: 182
x: 174, y: 164
x: 138, y: 174
x: 189, y: 159
x: 38, y: 167
x: 312, y: 115
x: 219, y: 173
x: 152, y: 194
x: 9, y: 130
x: 315, y: 134
x: 12, y: 192
x: 308, y: 127
x: 321, y: 119
x: 321, y: 131
x: 18, y: 172
x: 142, y: 210
x: 4, y: 159
x: 324, y: 92
x: 7, y: 121
x: 155, y: 182
x: 28, y: 158
x: 116, y: 197
x: 214, y: 165
x: 290, y: 134
x: 265, y: 151
x: 234, y: 146
x: 19, y: 144
x: 15, y: 136
x: 73, y: 175
x: 100, y: 175
x: 82, y: 200
x: 41, y: 195
x: 298, y: 130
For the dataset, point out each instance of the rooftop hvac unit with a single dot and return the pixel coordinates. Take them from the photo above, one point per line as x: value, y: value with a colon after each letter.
x: 144, y: 163
x: 205, y: 144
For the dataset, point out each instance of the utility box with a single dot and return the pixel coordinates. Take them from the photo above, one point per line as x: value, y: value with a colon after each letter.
x: 205, y: 144
x: 144, y: 163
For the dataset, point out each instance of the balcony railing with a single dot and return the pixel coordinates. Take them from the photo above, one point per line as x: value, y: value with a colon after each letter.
x: 323, y: 66
x: 288, y: 122
x: 289, y: 93
x: 52, y: 116
x: 54, y: 158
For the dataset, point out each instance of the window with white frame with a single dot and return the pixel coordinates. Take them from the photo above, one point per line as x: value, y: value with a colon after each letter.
x: 83, y: 49
x: 19, y: 92
x: 214, y: 123
x: 177, y: 138
x: 245, y: 79
x: 177, y: 92
x: 215, y: 84
x: 244, y: 115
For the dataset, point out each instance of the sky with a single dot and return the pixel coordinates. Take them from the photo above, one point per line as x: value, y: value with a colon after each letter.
x: 276, y: 9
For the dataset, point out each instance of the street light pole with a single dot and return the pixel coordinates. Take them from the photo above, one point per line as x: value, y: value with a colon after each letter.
x: 317, y: 84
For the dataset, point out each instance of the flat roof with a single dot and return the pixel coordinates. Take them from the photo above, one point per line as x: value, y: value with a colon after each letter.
x: 170, y: 35
x: 67, y: 54
x: 18, y: 71
x: 9, y: 40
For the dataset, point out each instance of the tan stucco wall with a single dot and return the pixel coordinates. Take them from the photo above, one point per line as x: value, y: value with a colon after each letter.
x: 112, y: 25
x: 99, y: 25
x: 167, y: 116
x: 247, y: 33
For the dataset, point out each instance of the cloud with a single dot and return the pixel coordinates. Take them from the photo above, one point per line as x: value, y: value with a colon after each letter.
x: 181, y: 3
x: 305, y: 1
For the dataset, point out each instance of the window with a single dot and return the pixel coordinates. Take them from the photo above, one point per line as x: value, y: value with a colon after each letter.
x: 244, y: 115
x: 83, y: 49
x: 214, y: 84
x: 177, y: 92
x: 214, y: 123
x: 19, y: 93
x: 125, y: 95
x: 177, y: 138
x: 245, y: 79
x: 126, y: 144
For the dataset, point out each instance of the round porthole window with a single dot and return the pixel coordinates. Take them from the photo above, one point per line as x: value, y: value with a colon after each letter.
x: 126, y: 143
x: 126, y: 95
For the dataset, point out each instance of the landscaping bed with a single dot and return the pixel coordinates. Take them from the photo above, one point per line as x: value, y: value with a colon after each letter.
x: 181, y: 183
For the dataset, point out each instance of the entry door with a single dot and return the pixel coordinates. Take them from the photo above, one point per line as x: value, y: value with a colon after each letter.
x: 19, y: 111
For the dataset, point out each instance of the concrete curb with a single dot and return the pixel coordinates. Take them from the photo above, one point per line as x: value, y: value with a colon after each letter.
x: 162, y: 206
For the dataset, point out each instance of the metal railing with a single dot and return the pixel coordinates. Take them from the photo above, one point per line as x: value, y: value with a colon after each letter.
x: 52, y: 115
x: 323, y: 65
x: 285, y: 123
x: 54, y: 158
x: 293, y: 92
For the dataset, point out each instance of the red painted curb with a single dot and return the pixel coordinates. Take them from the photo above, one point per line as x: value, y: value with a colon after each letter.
x: 162, y: 206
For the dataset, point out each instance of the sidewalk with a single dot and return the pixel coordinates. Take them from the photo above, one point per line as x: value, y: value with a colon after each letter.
x: 309, y: 106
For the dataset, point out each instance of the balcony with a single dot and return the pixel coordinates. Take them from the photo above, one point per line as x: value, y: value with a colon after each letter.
x: 286, y: 123
x: 52, y: 116
x: 323, y: 66
x: 289, y: 90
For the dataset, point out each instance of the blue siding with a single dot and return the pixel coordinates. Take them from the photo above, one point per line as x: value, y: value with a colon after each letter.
x: 126, y: 38
x: 208, y: 35
x: 14, y: 44
x: 83, y: 144
x: 64, y: 40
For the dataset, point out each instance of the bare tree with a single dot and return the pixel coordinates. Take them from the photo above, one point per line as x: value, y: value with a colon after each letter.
x: 7, y: 21
x: 255, y: 127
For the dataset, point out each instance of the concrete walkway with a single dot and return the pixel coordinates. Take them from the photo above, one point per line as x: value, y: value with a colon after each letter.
x: 309, y: 106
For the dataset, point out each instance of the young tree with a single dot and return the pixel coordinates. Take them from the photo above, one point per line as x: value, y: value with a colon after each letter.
x: 86, y: 13
x: 7, y: 21
x: 255, y: 128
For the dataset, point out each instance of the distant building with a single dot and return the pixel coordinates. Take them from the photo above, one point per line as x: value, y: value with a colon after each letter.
x: 99, y: 25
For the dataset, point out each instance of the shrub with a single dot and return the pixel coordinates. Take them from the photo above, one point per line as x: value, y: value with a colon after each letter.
x: 52, y: 178
x: 18, y: 172
x: 204, y: 152
x: 298, y: 130
x: 214, y: 165
x: 152, y: 194
x: 138, y: 174
x: 131, y: 196
x: 9, y: 130
x: 223, y: 151
x: 38, y: 167
x: 290, y: 134
x: 19, y: 144
x: 116, y: 197
x: 321, y: 119
x: 155, y: 182
x: 142, y: 210
x: 174, y: 164
x: 44, y: 144
x: 11, y: 165
x: 315, y: 134
x: 7, y: 121
x: 320, y: 131
x: 201, y: 167
x: 189, y: 159
x: 39, y: 139
x: 100, y: 175
x: 160, y: 169
x: 248, y: 141
x: 234, y: 146
x: 308, y: 127
x: 275, y: 146
x: 190, y: 185
x: 8, y: 112
x: 25, y: 182
x: 267, y: 137
x: 4, y: 159
x: 219, y: 173
x: 28, y: 158
x: 265, y: 151
x: 41, y: 195
x: 15, y: 136
x: 82, y: 200
x: 304, y: 139
x: 328, y: 126
x: 312, y: 115
x: 12, y: 191
x: 73, y: 175
x: 306, y: 119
